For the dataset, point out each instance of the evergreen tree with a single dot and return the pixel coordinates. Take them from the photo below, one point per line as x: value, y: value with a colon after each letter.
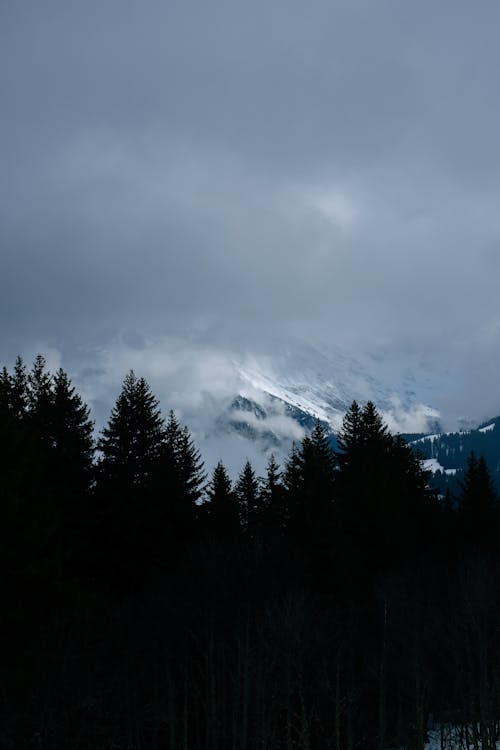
x: 350, y: 436
x: 72, y: 436
x: 247, y: 493
x: 381, y: 486
x: 319, y: 464
x: 373, y: 429
x: 477, y: 501
x: 191, y: 468
x: 222, y: 505
x: 131, y: 518
x: 184, y: 474
x: 39, y: 399
x: 309, y: 482
x: 133, y: 442
x: 19, y: 389
x: 273, y: 499
x: 293, y: 482
x: 5, y: 393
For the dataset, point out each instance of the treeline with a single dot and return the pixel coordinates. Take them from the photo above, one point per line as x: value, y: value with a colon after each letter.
x: 336, y: 602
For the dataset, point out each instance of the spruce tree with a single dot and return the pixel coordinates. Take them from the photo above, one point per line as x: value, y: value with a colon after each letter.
x: 222, y: 506
x: 350, y: 436
x: 5, y: 393
x: 272, y: 499
x: 132, y: 443
x: 309, y: 480
x: 191, y: 468
x: 319, y: 464
x: 72, y: 435
x: 293, y: 482
x: 383, y: 500
x: 19, y: 389
x: 184, y: 473
x: 247, y: 493
x: 477, y: 501
x: 40, y: 398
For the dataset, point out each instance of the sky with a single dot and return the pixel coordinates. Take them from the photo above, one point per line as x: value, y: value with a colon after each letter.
x: 229, y: 175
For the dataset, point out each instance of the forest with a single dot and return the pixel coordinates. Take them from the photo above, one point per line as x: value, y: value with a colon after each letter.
x: 336, y: 602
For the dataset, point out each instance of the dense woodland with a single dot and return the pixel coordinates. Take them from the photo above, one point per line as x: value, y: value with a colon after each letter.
x: 337, y: 602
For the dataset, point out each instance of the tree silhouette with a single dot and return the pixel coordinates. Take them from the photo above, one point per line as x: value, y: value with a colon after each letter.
x: 132, y: 443
x: 72, y: 435
x: 185, y: 475
x: 222, y: 505
x: 477, y: 501
x: 273, y: 499
x: 246, y: 491
x: 309, y: 480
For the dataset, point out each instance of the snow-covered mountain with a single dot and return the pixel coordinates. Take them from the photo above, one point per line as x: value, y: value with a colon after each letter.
x: 278, y: 396
x: 445, y: 454
x: 249, y: 405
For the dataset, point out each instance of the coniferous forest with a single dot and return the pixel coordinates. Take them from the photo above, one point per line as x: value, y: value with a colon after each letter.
x: 337, y: 602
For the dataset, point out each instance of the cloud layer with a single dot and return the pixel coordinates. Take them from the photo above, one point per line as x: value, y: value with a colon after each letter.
x: 240, y: 174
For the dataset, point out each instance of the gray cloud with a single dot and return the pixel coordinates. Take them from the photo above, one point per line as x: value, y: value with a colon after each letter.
x: 241, y: 173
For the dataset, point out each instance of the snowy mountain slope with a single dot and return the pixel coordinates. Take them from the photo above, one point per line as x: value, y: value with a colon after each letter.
x: 278, y: 397
x: 445, y: 454
x: 241, y: 405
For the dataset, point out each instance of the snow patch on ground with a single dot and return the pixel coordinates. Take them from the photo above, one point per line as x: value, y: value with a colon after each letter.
x: 488, y: 428
x: 432, y: 464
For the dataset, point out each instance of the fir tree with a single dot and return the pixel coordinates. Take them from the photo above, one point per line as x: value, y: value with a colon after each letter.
x: 132, y: 443
x: 309, y: 481
x: 247, y: 492
x: 350, y: 436
x: 19, y: 389
x: 272, y: 498
x: 184, y: 473
x: 293, y: 482
x: 222, y: 505
x: 72, y: 435
x: 477, y: 501
x: 39, y: 398
x: 191, y: 468
x: 319, y: 463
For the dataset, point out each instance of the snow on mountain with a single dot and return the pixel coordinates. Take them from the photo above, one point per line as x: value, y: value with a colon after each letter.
x: 433, y: 465
x: 249, y: 405
x: 281, y: 394
x: 446, y: 454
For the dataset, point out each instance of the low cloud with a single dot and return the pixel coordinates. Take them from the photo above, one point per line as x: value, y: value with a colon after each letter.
x: 245, y: 176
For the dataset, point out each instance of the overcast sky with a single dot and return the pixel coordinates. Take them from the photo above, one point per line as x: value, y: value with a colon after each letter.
x: 246, y: 172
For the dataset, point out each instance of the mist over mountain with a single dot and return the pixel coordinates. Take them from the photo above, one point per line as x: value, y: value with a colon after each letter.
x: 242, y: 405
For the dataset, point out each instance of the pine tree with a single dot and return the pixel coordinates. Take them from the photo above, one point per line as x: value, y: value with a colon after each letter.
x: 247, y: 492
x: 272, y: 499
x: 39, y: 398
x: 72, y: 436
x: 319, y: 464
x: 293, y: 482
x: 477, y: 501
x: 5, y: 395
x: 383, y: 498
x: 133, y: 442
x: 350, y: 436
x: 19, y: 389
x: 184, y: 472
x: 373, y: 429
x: 191, y: 468
x: 309, y: 482
x: 222, y: 505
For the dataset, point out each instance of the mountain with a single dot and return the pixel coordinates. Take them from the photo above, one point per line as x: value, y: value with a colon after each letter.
x: 446, y: 453
x: 243, y: 405
x: 275, y: 399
